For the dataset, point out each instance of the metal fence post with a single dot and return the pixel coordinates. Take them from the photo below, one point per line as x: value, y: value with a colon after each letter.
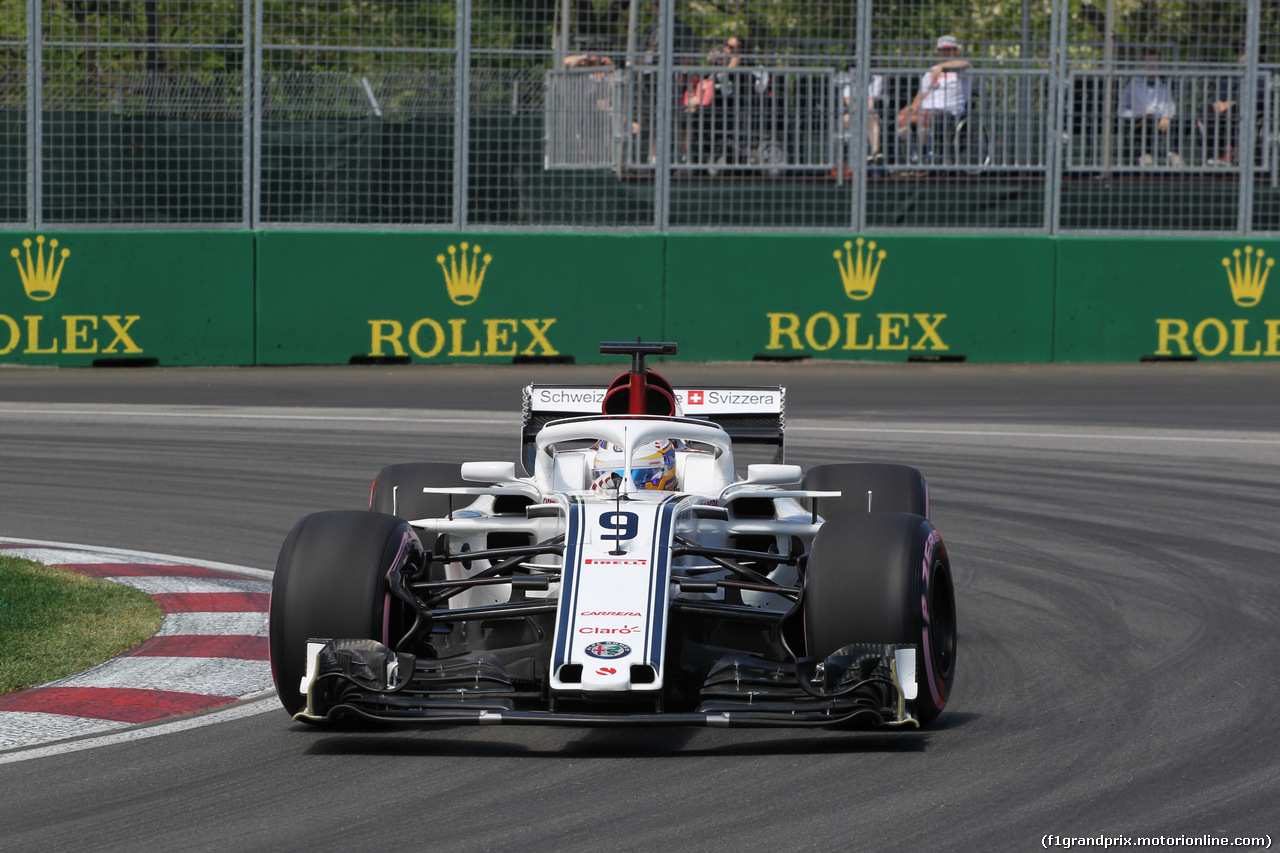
x: 1248, y: 129
x: 35, y: 116
x: 1109, y: 64
x: 1025, y: 85
x: 666, y: 94
x: 252, y: 106
x: 859, y: 86
x: 1054, y: 170
x: 462, y: 115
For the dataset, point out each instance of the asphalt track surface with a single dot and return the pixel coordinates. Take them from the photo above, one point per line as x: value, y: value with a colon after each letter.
x: 1113, y: 536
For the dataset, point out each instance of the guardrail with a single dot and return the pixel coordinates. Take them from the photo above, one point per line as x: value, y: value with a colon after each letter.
x: 1106, y: 130
x: 1000, y: 127
x: 781, y: 120
x: 777, y: 120
x: 744, y: 119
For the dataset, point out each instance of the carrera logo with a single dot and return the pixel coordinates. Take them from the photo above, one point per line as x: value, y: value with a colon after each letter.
x: 82, y: 332
x: 594, y: 562
x: 1247, y: 274
x: 464, y: 271
x: 859, y: 265
x: 626, y: 613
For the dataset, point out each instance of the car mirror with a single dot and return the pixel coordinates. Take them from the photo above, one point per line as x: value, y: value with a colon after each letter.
x: 488, y: 472
x: 771, y: 475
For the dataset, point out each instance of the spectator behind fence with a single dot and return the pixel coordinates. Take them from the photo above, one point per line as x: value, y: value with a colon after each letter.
x: 875, y: 92
x: 944, y: 91
x: 599, y: 88
x: 683, y: 43
x: 734, y: 54
x: 1147, y: 111
x: 1222, y: 125
x: 586, y: 60
x: 708, y: 98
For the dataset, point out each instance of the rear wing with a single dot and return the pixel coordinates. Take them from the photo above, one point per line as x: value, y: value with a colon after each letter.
x: 749, y: 414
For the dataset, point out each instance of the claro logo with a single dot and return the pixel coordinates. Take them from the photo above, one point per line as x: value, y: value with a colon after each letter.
x: 1246, y: 274
x: 67, y: 334
x: 859, y: 265
x: 464, y: 268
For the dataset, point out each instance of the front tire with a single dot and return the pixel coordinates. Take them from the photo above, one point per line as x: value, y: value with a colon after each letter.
x: 893, y: 488
x: 885, y: 578
x: 331, y: 583
x: 397, y: 490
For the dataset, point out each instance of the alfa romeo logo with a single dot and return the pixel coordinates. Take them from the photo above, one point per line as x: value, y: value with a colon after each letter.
x: 608, y: 650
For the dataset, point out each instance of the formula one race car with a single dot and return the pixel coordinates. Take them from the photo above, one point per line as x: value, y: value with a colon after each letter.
x: 628, y: 576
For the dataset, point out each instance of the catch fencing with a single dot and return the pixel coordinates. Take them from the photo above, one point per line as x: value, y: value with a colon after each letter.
x: 1037, y: 116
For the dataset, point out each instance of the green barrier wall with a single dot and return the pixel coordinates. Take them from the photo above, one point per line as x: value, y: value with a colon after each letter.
x: 294, y: 297
x: 887, y: 298
x: 173, y: 298
x: 1124, y: 300
x: 436, y: 297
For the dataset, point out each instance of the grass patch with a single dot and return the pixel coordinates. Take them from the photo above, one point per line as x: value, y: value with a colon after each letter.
x: 54, y: 622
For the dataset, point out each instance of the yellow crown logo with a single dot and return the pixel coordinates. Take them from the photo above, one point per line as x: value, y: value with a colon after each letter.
x: 464, y: 280
x: 857, y: 272
x: 39, y: 280
x: 1248, y: 281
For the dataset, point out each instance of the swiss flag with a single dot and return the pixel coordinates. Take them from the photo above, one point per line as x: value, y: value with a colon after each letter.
x: 695, y: 398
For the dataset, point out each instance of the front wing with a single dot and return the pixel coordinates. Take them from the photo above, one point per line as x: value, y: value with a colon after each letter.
x: 859, y: 684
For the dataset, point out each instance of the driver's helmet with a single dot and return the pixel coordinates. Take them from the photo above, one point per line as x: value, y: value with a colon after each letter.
x: 653, y: 466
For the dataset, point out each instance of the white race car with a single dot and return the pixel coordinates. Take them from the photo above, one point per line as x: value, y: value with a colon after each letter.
x: 628, y: 575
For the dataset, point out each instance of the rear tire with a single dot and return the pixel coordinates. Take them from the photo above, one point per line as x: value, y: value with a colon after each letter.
x: 894, y: 488
x: 331, y: 583
x: 397, y: 490
x: 884, y: 578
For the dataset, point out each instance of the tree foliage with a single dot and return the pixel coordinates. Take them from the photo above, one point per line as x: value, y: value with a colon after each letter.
x: 122, y: 37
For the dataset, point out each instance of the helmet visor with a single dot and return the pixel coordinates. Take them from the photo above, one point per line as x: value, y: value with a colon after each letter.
x: 648, y: 478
